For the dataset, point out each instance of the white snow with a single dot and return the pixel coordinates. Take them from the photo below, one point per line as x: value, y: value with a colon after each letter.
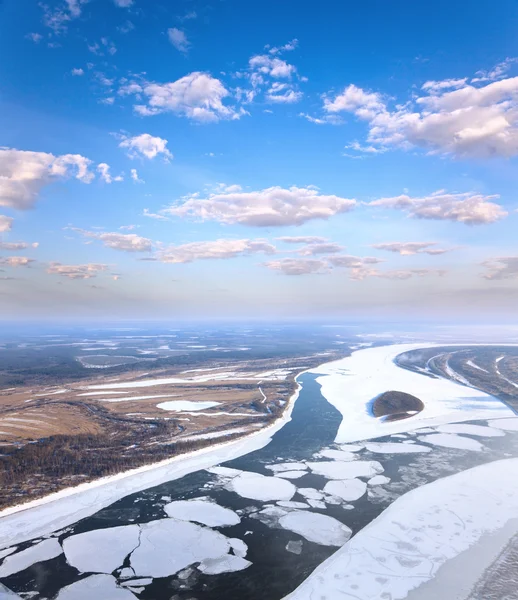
x: 95, y: 586
x: 351, y: 383
x: 378, y: 480
x: 202, y: 511
x: 468, y: 429
x: 316, y: 528
x: 346, y: 470
x: 99, y: 393
x: 260, y: 487
x: 34, y: 554
x: 472, y: 364
x: 450, y: 440
x: 168, y: 546
x: 417, y: 534
x: 177, y: 405
x: 349, y: 490
x: 130, y: 398
x: 226, y: 564
x: 101, y: 550
x: 395, y: 448
x: 505, y: 424
x: 336, y: 454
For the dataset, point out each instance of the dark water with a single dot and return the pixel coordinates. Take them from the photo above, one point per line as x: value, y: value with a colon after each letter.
x: 274, y: 571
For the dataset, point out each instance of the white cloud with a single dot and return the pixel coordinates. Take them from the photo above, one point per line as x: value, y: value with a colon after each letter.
x: 274, y: 206
x: 86, y: 271
x: 197, y: 96
x: 123, y: 3
x: 468, y: 208
x: 14, y: 246
x: 283, y: 93
x: 6, y: 223
x: 297, y: 266
x: 77, y: 72
x: 152, y: 215
x: 409, y: 273
x: 188, y: 16
x: 360, y: 267
x: 321, y: 248
x: 286, y: 48
x: 135, y: 177
x: 145, y: 145
x: 217, y: 249
x: 467, y: 122
x: 58, y: 17
x: 302, y: 239
x: 16, y: 261
x: 104, y: 170
x: 325, y: 120
x: 126, y: 242
x: 411, y: 248
x: 505, y: 267
x: 35, y: 37
x: 497, y: 72
x: 275, y: 67
x: 178, y: 38
x: 364, y: 149
x: 23, y: 174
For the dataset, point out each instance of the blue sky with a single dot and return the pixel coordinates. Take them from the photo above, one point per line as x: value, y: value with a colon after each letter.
x: 230, y: 159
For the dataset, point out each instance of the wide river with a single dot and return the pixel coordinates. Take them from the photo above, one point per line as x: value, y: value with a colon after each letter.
x: 275, y: 539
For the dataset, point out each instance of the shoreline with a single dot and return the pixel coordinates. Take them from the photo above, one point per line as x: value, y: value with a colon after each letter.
x: 62, y: 508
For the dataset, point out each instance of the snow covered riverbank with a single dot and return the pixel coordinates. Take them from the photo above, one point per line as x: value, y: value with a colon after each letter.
x: 419, y: 533
x: 351, y: 383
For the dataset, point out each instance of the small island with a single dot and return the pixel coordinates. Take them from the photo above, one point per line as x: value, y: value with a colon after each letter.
x: 394, y: 406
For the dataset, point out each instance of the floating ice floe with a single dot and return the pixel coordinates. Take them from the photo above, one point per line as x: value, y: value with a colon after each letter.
x: 7, y: 594
x: 450, y: 440
x: 14, y: 563
x: 346, y: 470
x: 288, y: 466
x: 238, y: 546
x: 351, y: 447
x: 317, y: 504
x: 101, y: 550
x: 351, y: 383
x: 292, y: 504
x: 505, y: 424
x: 202, y: 511
x: 260, y: 487
x: 311, y: 493
x: 316, y: 528
x: 421, y: 531
x: 396, y: 448
x: 336, y: 454
x: 95, y: 586
x: 7, y: 551
x: 294, y: 547
x: 349, y: 489
x: 378, y: 480
x: 468, y: 429
x: 226, y: 564
x: 291, y: 474
x: 168, y: 546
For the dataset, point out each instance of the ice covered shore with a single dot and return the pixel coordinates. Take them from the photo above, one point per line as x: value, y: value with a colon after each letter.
x: 420, y: 532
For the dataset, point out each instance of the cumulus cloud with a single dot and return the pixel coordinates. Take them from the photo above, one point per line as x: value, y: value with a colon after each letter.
x: 197, y: 96
x: 178, y: 38
x: 360, y: 267
x: 505, y: 267
x: 6, y: 223
x: 123, y: 3
x: 135, y: 177
x: 410, y: 248
x: 274, y: 206
x: 468, y: 208
x: 302, y: 239
x: 17, y: 245
x: 58, y: 17
x: 298, y: 266
x: 275, y: 67
x: 283, y: 93
x: 77, y: 72
x: 35, y: 37
x: 145, y: 145
x: 217, y: 249
x: 288, y: 47
x: 104, y: 171
x: 16, y: 261
x: 23, y: 174
x: 76, y: 271
x: 321, y: 248
x: 466, y: 120
x: 127, y: 242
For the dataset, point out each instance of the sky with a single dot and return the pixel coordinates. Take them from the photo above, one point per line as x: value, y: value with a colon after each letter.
x: 228, y: 159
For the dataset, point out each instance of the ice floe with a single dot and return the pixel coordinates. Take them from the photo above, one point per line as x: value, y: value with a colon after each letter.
x: 395, y: 448
x: 101, y: 550
x: 7, y: 594
x: 202, y: 511
x: 168, y: 546
x: 226, y: 564
x: 346, y: 470
x: 288, y: 466
x: 349, y: 489
x: 421, y: 531
x: 291, y: 474
x: 450, y: 440
x: 316, y: 528
x: 505, y: 424
x: 294, y: 547
x: 351, y: 383
x: 261, y: 487
x: 95, y: 586
x: 292, y: 504
x: 336, y: 454
x: 311, y: 493
x: 378, y: 480
x: 468, y: 429
x: 15, y: 563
